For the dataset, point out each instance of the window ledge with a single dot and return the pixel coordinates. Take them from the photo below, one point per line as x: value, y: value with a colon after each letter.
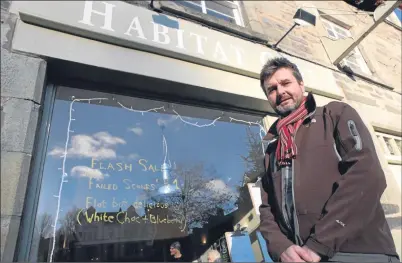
x: 370, y: 78
x: 393, y: 24
x: 210, y: 20
x: 393, y: 159
x: 391, y: 130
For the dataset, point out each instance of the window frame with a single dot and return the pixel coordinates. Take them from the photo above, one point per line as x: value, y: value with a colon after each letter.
x: 23, y: 248
x: 234, y: 5
x: 330, y: 26
x: 31, y: 204
x: 393, y: 19
x: 391, y: 158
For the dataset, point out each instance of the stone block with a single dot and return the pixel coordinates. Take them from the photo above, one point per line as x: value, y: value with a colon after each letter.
x: 22, y: 76
x: 365, y: 87
x: 375, y: 95
x: 14, y: 177
x: 343, y: 85
x: 343, y: 78
x: 359, y: 98
x: 388, y: 96
x: 9, y: 233
x: 19, y: 125
x: 5, y: 4
x: 256, y: 26
x: 393, y: 109
x: 379, y: 91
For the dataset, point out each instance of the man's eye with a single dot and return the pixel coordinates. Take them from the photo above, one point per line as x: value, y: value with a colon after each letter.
x: 270, y: 89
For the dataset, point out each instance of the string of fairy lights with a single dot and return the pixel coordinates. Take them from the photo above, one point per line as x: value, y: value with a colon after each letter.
x: 64, y: 174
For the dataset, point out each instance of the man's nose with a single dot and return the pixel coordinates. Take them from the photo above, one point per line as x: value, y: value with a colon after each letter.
x: 280, y: 89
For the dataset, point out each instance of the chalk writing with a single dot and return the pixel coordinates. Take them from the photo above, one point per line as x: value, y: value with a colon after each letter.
x: 129, y: 185
x: 139, y: 204
x: 147, y: 167
x: 95, y: 164
x: 123, y: 218
x: 90, y: 201
x: 119, y: 167
x: 101, y: 186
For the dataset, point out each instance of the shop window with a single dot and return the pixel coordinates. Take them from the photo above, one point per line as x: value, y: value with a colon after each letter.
x: 225, y: 10
x: 124, y: 178
x: 354, y: 59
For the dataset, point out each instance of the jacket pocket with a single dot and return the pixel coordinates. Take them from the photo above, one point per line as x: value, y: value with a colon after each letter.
x: 306, y: 222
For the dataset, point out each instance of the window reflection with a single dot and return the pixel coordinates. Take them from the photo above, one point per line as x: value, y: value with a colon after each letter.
x: 140, y: 175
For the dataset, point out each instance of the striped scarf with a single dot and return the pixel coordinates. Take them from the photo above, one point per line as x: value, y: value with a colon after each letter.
x: 287, y: 128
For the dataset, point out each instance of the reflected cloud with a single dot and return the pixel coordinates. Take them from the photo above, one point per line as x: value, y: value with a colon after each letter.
x: 85, y: 171
x: 166, y: 121
x: 219, y: 187
x: 133, y: 156
x: 137, y: 130
x: 98, y: 146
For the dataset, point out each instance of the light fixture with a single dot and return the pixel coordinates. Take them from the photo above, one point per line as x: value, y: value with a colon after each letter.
x: 204, y: 239
x: 301, y: 18
x: 165, y: 169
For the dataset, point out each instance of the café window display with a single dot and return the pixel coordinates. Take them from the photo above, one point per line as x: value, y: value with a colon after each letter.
x: 124, y: 178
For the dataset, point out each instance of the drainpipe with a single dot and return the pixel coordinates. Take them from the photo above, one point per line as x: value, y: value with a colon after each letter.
x: 383, y: 12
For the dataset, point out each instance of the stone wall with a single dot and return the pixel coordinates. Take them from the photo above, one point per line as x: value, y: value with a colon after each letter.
x: 22, y: 81
x: 274, y: 18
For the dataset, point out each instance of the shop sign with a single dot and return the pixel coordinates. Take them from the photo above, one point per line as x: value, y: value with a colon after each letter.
x: 120, y: 23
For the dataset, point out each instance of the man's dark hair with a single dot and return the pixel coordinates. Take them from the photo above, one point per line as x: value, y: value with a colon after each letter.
x: 176, y: 245
x: 273, y: 65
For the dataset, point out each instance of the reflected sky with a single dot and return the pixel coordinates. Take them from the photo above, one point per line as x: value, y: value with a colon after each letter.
x: 115, y: 155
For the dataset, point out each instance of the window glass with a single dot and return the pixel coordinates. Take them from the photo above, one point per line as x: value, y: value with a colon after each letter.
x: 221, y: 16
x: 341, y: 31
x: 399, y: 145
x: 389, y: 146
x: 216, y: 6
x: 126, y: 178
x: 398, y: 12
x: 355, y: 59
x: 190, y: 5
x: 225, y: 10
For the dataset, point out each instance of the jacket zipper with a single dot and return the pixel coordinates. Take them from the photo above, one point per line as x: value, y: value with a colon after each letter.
x: 273, y: 160
x: 295, y: 218
x: 283, y: 203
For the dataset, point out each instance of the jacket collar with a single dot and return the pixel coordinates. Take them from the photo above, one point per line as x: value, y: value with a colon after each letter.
x: 310, y: 105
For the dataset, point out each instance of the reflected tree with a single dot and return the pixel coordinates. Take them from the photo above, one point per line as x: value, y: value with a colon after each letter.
x: 198, y: 197
x: 44, y: 225
x: 68, y: 225
x: 254, y: 161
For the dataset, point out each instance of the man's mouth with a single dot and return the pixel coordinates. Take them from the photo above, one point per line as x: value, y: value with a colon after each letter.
x: 283, y: 100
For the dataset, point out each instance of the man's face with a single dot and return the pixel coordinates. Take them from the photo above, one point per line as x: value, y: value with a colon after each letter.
x: 283, y: 91
x: 173, y: 251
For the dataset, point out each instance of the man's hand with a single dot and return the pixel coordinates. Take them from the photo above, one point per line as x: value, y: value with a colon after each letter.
x: 296, y: 253
x: 314, y: 256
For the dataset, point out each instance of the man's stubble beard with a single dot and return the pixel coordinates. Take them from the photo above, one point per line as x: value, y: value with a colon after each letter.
x: 284, y: 111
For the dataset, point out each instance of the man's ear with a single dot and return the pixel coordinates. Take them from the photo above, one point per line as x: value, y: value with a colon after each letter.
x: 302, y: 87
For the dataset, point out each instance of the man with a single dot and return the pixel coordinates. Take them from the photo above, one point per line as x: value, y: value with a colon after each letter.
x: 175, y: 251
x: 323, y: 183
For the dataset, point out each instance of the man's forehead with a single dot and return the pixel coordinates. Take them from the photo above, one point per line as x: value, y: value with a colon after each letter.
x: 279, y: 76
